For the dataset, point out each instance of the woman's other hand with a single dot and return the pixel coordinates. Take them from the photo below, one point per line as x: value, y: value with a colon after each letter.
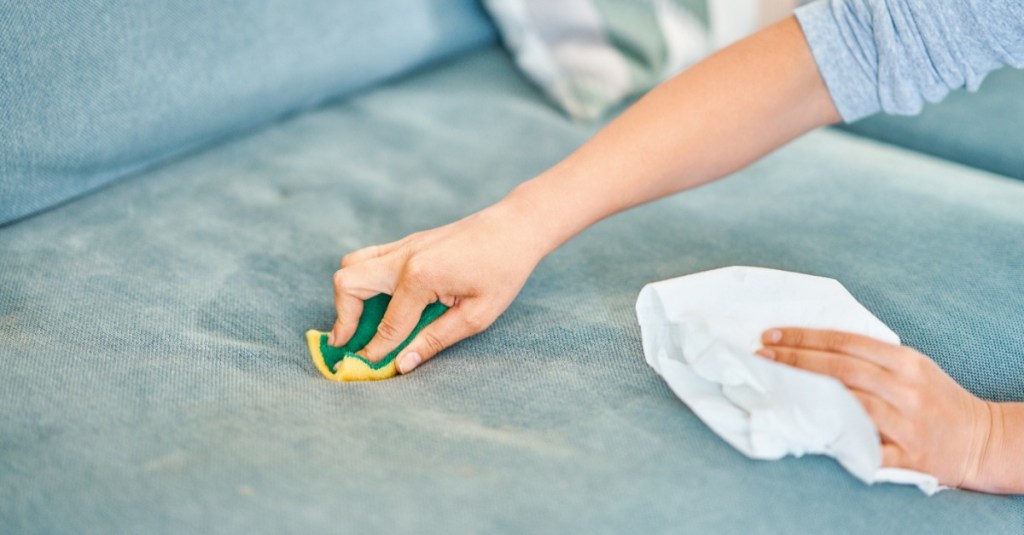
x: 927, y: 421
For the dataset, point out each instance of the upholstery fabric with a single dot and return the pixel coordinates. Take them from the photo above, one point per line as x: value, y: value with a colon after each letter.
x: 156, y: 378
x: 92, y: 90
x: 982, y: 130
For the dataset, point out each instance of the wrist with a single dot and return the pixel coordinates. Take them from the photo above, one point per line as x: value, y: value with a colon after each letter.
x: 979, y: 449
x: 1000, y: 469
x: 539, y: 209
x: 521, y: 226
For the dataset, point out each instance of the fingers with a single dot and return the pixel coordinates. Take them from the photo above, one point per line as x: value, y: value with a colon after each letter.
x: 875, y: 388
x: 851, y: 371
x: 350, y: 308
x: 877, y: 373
x: 352, y: 285
x: 452, y: 327
x: 367, y: 253
x: 399, y: 320
x: 863, y: 347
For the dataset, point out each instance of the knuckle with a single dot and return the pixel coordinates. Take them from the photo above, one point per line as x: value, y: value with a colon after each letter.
x: 785, y: 357
x: 416, y: 271
x: 387, y: 330
x: 912, y: 402
x: 339, y: 278
x: 475, y: 322
x: 347, y: 260
x: 837, y: 341
x: 432, y: 343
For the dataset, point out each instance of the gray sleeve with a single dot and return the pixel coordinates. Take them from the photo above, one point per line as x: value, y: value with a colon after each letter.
x: 893, y: 55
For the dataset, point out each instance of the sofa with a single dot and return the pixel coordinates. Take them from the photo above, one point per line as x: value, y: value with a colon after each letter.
x: 179, y: 180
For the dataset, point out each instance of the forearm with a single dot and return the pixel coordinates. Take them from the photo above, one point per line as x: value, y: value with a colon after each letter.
x: 1002, y: 469
x: 711, y: 120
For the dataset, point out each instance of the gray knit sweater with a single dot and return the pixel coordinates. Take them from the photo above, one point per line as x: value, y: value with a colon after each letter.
x: 893, y: 55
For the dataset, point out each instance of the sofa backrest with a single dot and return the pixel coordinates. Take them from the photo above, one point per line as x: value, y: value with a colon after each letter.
x: 91, y: 90
x: 982, y: 129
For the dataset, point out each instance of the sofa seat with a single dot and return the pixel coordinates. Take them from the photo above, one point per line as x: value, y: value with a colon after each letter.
x: 982, y: 129
x: 156, y: 377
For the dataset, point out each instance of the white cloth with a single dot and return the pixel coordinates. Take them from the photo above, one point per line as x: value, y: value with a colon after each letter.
x: 700, y: 332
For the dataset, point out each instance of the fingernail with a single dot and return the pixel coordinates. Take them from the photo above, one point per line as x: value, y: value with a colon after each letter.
x: 409, y: 361
x: 773, y: 335
x: 766, y: 353
x: 330, y: 338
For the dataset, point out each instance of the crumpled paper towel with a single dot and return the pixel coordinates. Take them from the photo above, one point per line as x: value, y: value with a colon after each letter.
x: 700, y: 332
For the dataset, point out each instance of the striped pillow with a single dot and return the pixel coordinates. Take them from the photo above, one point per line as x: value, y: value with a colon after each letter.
x: 589, y: 55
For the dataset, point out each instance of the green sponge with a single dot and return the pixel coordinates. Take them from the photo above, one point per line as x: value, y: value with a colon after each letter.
x: 353, y: 367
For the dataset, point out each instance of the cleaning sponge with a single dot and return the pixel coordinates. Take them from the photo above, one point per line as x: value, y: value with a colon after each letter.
x: 353, y: 367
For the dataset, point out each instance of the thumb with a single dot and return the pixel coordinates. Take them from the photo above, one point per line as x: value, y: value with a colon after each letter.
x: 451, y: 327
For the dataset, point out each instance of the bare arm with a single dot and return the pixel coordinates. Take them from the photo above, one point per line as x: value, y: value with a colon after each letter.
x: 707, y: 122
x: 711, y: 120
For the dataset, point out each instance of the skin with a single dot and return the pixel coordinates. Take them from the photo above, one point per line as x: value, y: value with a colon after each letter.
x: 690, y: 130
x: 927, y: 421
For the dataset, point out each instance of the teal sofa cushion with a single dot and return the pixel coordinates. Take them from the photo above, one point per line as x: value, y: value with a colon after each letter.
x: 156, y: 378
x: 982, y: 129
x: 93, y: 90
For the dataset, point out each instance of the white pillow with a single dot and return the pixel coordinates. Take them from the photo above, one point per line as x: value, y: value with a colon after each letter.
x: 589, y: 55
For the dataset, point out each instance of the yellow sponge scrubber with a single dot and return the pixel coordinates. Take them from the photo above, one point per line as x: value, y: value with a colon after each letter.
x: 343, y: 364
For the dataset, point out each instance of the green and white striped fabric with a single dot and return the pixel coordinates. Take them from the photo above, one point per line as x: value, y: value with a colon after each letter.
x: 589, y: 55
